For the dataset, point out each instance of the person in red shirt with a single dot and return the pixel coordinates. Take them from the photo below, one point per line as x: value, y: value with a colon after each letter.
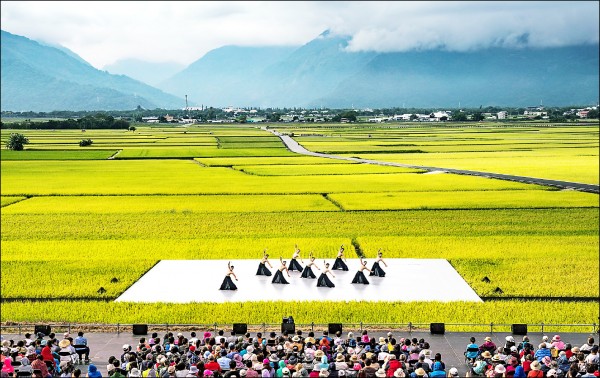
x: 39, y: 364
x: 47, y: 353
x: 212, y: 364
x: 392, y: 365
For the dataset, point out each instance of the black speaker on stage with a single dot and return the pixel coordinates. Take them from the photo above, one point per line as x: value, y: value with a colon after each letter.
x: 437, y: 328
x: 334, y: 328
x: 288, y: 327
x: 43, y: 329
x: 140, y: 329
x: 240, y: 328
x: 519, y: 329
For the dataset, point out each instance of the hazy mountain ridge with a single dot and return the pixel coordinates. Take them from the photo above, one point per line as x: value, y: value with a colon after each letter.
x: 39, y: 77
x: 322, y: 73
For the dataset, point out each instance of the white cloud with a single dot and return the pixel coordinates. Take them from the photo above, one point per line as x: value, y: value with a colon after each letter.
x: 103, y: 32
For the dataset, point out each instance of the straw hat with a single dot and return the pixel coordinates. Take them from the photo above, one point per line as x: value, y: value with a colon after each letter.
x: 319, y: 353
x: 340, y: 358
x: 64, y: 343
x: 399, y: 373
x: 420, y: 372
x: 486, y: 354
x: 380, y: 373
x: 487, y: 338
x: 535, y: 365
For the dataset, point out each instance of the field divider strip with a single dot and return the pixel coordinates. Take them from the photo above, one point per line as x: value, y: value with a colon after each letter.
x: 334, y: 202
x: 357, y: 248
x: 113, y: 156
x: 21, y: 200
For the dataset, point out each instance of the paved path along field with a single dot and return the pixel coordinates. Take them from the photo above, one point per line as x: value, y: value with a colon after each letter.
x: 294, y: 146
x: 450, y: 345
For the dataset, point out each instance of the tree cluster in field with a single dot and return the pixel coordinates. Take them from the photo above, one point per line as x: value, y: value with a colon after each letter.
x: 85, y: 142
x: 16, y: 142
x: 96, y: 121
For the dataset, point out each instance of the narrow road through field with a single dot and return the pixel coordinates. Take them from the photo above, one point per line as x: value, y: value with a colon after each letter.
x: 294, y: 146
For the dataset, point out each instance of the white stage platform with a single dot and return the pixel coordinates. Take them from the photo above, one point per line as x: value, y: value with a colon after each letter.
x: 406, y: 280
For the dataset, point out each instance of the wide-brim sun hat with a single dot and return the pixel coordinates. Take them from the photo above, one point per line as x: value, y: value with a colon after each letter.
x: 64, y: 343
x: 340, y: 358
x: 380, y: 373
x: 486, y: 354
x: 535, y: 365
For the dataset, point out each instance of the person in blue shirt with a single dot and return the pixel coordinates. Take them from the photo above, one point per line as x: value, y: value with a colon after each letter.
x: 472, y: 351
x: 438, y: 370
x: 81, y: 347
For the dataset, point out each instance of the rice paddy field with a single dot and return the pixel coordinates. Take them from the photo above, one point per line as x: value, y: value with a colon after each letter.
x: 80, y: 225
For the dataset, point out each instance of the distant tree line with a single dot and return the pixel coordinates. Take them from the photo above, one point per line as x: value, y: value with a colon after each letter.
x: 96, y: 121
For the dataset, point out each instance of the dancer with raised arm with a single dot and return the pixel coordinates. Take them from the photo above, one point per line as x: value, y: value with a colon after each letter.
x: 278, y: 278
x: 376, y: 269
x: 228, y: 282
x: 262, y: 266
x: 340, y: 261
x: 360, y: 278
x: 323, y: 280
x: 294, y: 264
x: 307, y: 272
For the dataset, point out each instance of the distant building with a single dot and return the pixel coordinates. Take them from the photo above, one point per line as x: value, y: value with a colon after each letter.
x: 502, y: 115
x: 150, y: 119
x: 583, y: 113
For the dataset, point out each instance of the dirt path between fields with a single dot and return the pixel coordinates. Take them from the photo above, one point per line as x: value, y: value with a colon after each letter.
x: 294, y: 146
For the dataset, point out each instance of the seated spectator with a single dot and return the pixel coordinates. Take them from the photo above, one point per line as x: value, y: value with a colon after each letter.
x: 472, y: 351
x: 437, y: 370
x: 542, y: 352
x: 488, y: 345
x: 592, y: 358
x: 589, y: 372
x: 510, y: 342
x: 525, y: 343
x: 587, y: 347
x: 93, y: 372
x: 536, y: 370
x: 81, y: 347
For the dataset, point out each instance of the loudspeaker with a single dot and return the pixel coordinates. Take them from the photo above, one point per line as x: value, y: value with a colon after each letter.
x: 240, y: 328
x: 140, y: 329
x: 519, y: 329
x: 44, y: 329
x: 289, y: 327
x: 334, y: 328
x: 437, y: 328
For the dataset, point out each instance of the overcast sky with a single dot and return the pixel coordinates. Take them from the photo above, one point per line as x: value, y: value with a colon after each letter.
x: 104, y: 32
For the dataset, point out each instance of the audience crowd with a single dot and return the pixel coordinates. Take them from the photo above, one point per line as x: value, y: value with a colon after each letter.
x: 296, y: 355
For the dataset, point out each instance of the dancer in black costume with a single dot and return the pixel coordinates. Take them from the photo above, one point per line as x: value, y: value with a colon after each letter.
x: 262, y: 267
x: 294, y: 264
x: 323, y: 280
x: 340, y: 261
x: 228, y: 282
x: 376, y: 269
x: 360, y: 278
x: 307, y: 272
x: 278, y: 278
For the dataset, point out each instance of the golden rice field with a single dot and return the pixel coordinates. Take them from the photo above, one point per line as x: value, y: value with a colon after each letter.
x: 219, y: 192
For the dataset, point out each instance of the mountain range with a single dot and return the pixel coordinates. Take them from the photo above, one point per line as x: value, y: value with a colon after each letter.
x: 320, y: 73
x: 39, y: 77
